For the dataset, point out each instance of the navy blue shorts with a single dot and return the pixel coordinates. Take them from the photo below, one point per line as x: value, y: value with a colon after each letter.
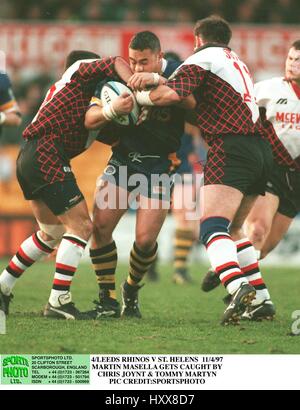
x: 151, y: 176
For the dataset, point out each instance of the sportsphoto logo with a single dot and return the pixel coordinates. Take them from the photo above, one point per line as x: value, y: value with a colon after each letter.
x: 15, y: 369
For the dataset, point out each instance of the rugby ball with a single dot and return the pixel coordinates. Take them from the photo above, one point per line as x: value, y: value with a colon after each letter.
x: 113, y: 89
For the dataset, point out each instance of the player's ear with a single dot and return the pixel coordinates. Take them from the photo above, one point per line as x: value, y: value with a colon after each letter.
x: 160, y: 57
x: 198, y: 42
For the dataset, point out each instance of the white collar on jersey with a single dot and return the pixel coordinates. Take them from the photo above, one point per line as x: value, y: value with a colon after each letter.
x: 164, y: 64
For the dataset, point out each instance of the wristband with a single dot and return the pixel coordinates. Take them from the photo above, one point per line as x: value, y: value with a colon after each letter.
x: 2, y: 118
x: 156, y: 78
x: 108, y: 112
x: 143, y: 98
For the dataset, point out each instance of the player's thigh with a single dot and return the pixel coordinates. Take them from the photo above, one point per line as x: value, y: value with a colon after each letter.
x: 109, y: 195
x: 220, y: 200
x: 77, y: 220
x: 105, y: 222
x: 110, y: 204
x: 280, y: 226
x: 262, y: 213
x: 148, y: 225
x: 67, y: 203
x: 43, y: 214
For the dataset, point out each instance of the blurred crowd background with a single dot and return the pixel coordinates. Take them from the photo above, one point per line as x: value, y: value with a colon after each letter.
x: 238, y: 11
x: 30, y: 91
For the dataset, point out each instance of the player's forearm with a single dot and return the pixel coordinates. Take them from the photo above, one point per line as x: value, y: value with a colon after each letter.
x: 161, y: 96
x: 122, y: 68
x: 143, y: 81
x: 164, y: 95
x: 95, y: 119
x: 10, y: 119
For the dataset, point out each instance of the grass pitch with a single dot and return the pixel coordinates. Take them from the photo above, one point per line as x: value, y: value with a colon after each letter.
x: 176, y: 319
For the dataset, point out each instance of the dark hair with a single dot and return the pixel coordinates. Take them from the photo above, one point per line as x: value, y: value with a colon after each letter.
x: 76, y: 55
x: 171, y: 55
x: 213, y: 29
x: 145, y: 39
x: 296, y: 44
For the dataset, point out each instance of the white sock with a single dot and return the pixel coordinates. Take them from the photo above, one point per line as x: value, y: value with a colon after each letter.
x: 7, y: 282
x: 249, y: 264
x: 31, y: 250
x: 222, y: 254
x: 68, y: 257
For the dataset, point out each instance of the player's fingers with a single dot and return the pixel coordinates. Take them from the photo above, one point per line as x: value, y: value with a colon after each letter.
x: 134, y: 82
x: 127, y: 104
x: 131, y: 78
x: 128, y: 97
x: 140, y: 85
x: 143, y: 115
x: 133, y: 85
x: 131, y: 81
x: 129, y: 101
x: 143, y: 84
x: 125, y: 95
x: 136, y: 85
x: 141, y: 120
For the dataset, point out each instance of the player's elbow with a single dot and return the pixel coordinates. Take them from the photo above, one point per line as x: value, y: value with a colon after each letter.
x: 88, y: 123
x: 120, y: 60
x: 122, y: 68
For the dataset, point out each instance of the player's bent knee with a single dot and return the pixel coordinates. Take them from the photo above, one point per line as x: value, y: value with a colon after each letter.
x: 83, y: 229
x: 145, y: 243
x: 86, y: 229
x: 102, y: 228
x: 102, y: 234
x: 52, y: 234
x: 100, y: 224
x: 214, y: 224
x: 257, y: 232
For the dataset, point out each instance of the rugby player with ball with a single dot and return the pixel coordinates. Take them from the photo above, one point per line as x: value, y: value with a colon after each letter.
x: 144, y: 155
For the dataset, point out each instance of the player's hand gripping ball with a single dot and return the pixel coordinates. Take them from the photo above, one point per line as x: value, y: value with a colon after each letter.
x: 110, y: 92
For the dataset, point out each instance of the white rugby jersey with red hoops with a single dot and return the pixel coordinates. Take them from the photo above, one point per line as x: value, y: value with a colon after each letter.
x: 281, y: 116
